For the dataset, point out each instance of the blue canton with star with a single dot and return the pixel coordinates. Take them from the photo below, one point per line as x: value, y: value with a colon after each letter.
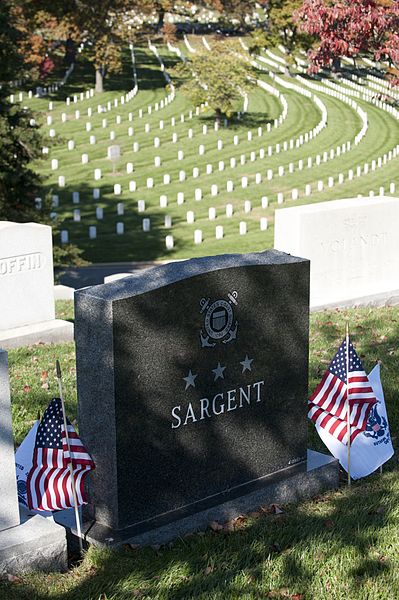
x: 49, y: 431
x: 338, y: 364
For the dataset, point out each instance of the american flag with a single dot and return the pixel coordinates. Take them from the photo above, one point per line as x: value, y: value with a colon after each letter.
x: 49, y: 482
x: 328, y: 405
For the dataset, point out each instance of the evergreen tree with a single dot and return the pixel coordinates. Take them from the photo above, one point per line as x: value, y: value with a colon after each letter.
x: 20, y: 140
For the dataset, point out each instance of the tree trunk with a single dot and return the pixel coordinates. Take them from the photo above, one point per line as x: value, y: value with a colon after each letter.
x: 161, y: 19
x: 99, y: 80
x: 336, y: 65
x: 218, y: 117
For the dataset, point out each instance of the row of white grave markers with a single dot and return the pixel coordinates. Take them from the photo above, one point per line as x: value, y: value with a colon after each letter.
x: 169, y: 241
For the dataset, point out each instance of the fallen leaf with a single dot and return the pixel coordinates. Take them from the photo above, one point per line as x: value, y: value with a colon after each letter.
x: 13, y: 578
x: 208, y: 570
x: 27, y: 388
x: 276, y: 509
x: 138, y: 593
x: 44, y: 375
x: 45, y: 386
x: 229, y: 526
x: 131, y: 546
x: 215, y: 526
x: 254, y: 514
x: 328, y: 524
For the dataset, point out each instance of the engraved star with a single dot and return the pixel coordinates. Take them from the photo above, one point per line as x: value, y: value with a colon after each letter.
x: 190, y: 380
x: 218, y: 372
x: 246, y: 364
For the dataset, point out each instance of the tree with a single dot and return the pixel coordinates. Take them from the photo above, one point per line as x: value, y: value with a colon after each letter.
x: 20, y: 140
x: 350, y: 28
x: 220, y: 78
x: 283, y: 29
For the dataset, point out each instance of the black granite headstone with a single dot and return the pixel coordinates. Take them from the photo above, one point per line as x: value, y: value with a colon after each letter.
x: 192, y: 384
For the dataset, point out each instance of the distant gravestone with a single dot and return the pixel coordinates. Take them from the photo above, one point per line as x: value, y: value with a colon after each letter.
x: 114, y: 154
x: 353, y: 246
x: 192, y: 386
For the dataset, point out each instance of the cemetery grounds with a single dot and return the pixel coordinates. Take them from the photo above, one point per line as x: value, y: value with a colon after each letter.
x: 342, y: 544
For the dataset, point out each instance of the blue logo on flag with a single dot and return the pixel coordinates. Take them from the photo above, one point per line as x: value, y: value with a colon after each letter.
x: 376, y: 425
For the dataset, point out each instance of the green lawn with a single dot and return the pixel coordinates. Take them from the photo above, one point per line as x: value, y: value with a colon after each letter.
x: 303, y: 115
x: 344, y: 544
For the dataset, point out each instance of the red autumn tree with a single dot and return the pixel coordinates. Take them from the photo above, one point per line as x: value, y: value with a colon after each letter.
x: 349, y: 28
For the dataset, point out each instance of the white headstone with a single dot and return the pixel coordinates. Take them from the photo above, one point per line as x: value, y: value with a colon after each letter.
x: 26, y: 274
x: 76, y: 215
x: 190, y: 217
x: 92, y: 232
x: 244, y: 181
x: 265, y: 201
x: 146, y: 224
x: 353, y: 246
x: 182, y: 175
x: 229, y: 210
x: 85, y: 159
x: 214, y: 189
x: 198, y: 194
x: 263, y: 223
x: 180, y: 197
x: 141, y: 206
x: 97, y: 174
x: 120, y: 209
x: 75, y: 197
x: 117, y: 189
x: 247, y: 206
x: 169, y: 242
x: 198, y: 236
x: 243, y: 228
x: 166, y: 179
x: 99, y: 213
x: 71, y: 145
x: 219, y: 232
x: 54, y: 164
x: 64, y: 236
x: 168, y: 221
x: 212, y: 213
x: 150, y: 182
x: 163, y: 201
x: 208, y: 169
x: 120, y: 228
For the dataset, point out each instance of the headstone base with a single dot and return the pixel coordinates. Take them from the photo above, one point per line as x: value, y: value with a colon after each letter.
x: 312, y: 477
x: 389, y: 298
x: 49, y: 332
x: 37, y: 544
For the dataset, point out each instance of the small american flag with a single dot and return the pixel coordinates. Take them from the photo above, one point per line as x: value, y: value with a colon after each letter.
x: 328, y: 405
x: 49, y: 482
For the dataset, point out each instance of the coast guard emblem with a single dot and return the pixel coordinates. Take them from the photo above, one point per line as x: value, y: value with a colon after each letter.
x: 219, y: 323
x: 376, y: 425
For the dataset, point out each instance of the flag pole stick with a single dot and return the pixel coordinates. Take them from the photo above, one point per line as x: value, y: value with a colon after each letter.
x: 75, y: 499
x: 348, y: 418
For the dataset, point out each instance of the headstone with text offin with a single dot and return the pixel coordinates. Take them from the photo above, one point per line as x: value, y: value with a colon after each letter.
x: 27, y: 286
x: 192, y: 385
x: 352, y: 245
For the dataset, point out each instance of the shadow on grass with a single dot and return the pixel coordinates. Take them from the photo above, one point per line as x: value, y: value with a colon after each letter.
x: 272, y: 556
x: 133, y: 245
